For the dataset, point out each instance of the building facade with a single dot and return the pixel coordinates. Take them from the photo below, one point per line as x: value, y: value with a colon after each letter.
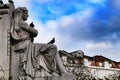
x: 98, y: 67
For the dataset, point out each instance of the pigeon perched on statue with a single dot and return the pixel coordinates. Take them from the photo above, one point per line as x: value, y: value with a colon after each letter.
x: 32, y: 25
x: 52, y: 41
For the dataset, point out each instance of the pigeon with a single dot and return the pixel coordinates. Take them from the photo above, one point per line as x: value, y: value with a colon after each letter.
x: 32, y: 25
x: 10, y: 1
x: 52, y: 41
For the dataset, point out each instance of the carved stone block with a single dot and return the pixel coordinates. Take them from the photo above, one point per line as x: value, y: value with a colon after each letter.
x: 4, y: 57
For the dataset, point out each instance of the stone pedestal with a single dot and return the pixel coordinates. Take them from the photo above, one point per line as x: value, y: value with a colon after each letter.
x: 5, y: 23
x: 56, y: 78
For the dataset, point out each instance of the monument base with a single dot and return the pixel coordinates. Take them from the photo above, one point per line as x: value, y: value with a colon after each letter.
x: 56, y: 78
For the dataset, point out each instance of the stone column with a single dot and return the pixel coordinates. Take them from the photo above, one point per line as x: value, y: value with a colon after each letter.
x: 5, y: 22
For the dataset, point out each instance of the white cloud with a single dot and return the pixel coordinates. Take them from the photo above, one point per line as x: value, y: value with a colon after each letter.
x: 52, y: 25
x: 98, y: 46
x: 5, y: 1
x: 84, y: 14
x: 77, y: 18
x: 43, y: 1
x: 46, y: 31
x: 101, y: 2
x: 24, y: 1
x: 94, y: 1
x: 43, y: 34
x: 66, y: 21
x: 106, y: 49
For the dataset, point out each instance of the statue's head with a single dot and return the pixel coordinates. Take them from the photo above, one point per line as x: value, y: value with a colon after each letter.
x: 21, y: 13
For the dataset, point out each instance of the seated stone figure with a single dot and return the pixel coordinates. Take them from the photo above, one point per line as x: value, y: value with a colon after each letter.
x: 35, y: 59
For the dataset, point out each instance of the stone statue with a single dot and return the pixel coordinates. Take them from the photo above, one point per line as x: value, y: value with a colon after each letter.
x: 35, y: 59
x: 73, y: 55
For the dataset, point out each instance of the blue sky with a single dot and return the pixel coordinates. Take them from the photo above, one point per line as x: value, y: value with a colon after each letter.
x: 90, y: 25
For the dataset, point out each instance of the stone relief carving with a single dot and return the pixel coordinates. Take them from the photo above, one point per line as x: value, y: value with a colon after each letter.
x: 2, y: 74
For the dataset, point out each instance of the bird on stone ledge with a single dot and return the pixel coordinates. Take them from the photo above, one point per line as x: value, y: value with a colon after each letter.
x: 52, y: 41
x: 32, y: 25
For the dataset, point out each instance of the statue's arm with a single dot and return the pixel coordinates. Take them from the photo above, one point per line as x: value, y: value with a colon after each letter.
x: 23, y: 37
x: 29, y: 29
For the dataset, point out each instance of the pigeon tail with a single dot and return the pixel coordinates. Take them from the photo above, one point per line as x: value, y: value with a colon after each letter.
x: 52, y: 41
